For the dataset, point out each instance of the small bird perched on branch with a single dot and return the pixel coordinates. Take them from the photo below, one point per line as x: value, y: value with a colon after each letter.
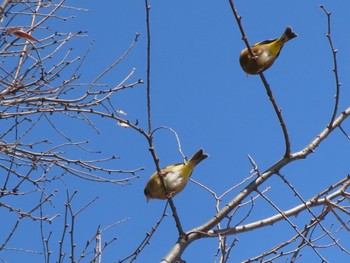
x: 175, y: 178
x: 266, y: 53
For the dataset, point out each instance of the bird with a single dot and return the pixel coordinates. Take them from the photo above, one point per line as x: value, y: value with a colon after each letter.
x: 266, y: 52
x: 175, y: 178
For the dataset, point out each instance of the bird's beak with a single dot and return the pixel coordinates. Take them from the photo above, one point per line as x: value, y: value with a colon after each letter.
x: 148, y: 198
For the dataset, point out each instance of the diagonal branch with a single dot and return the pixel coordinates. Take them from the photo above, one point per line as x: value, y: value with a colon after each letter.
x: 205, y: 230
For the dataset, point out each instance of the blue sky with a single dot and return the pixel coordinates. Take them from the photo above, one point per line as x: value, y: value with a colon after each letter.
x: 199, y: 90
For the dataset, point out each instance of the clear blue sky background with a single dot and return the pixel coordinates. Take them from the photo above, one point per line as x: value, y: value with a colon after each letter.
x: 199, y: 90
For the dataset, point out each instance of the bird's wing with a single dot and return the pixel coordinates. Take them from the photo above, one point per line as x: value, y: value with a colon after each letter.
x: 268, y: 41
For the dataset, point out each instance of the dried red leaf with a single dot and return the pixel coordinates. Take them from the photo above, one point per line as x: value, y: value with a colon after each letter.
x: 20, y: 33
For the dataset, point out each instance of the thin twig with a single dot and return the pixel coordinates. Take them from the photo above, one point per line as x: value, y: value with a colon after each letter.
x: 150, y: 132
x: 264, y: 81
x: 335, y: 65
x: 146, y: 240
x: 148, y: 78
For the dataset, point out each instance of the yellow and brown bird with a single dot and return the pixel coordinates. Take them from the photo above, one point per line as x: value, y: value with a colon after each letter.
x: 266, y: 53
x: 175, y: 178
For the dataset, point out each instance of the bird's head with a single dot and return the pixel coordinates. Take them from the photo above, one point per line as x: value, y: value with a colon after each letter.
x: 147, y: 193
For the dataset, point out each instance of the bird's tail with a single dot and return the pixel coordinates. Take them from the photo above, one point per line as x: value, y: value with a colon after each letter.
x: 287, y: 35
x: 197, y: 158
